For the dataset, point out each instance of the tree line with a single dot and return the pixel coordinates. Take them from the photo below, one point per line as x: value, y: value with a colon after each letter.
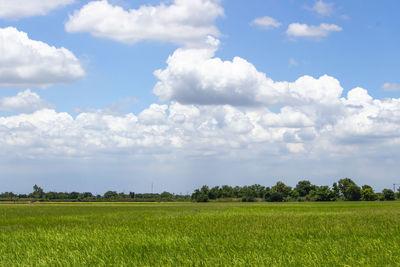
x: 38, y: 194
x: 345, y: 189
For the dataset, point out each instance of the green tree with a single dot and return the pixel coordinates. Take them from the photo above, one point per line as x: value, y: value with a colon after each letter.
x: 324, y: 193
x: 353, y: 193
x: 214, y: 193
x: 199, y: 196
x: 110, y: 195
x: 344, y: 185
x: 368, y: 194
x: 304, y: 187
x: 274, y: 196
x: 336, y: 190
x: 388, y: 194
x: 38, y: 192
x: 73, y: 195
x: 282, y: 188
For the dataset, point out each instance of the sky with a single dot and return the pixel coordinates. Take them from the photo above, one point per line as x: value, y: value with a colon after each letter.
x: 122, y: 94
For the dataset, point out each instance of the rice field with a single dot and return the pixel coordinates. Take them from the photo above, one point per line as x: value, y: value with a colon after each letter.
x: 194, y: 234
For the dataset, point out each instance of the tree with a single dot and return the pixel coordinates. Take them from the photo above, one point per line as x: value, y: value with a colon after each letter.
x: 344, y: 185
x: 368, y: 194
x: 87, y: 195
x: 73, y: 195
x: 214, y: 193
x: 388, y: 194
x: 282, y: 188
x: 274, y: 196
x: 132, y: 195
x: 199, y: 196
x: 353, y: 193
x: 336, y: 190
x: 110, y: 194
x: 38, y: 192
x: 51, y: 195
x: 166, y: 195
x: 304, y: 187
x: 324, y: 193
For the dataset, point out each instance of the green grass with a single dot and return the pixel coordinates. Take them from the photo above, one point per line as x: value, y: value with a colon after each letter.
x: 191, y: 234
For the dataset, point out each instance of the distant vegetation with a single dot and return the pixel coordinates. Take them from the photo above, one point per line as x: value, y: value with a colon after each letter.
x: 345, y: 189
x: 38, y: 194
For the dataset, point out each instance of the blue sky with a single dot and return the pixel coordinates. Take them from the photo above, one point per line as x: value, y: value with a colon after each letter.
x: 239, y: 101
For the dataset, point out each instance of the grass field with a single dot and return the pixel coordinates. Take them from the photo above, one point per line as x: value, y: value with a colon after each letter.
x: 211, y: 234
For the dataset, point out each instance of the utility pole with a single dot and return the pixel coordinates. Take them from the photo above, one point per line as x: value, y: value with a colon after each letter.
x: 151, y: 188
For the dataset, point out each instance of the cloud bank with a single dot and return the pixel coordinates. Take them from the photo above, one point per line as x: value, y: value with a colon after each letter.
x: 231, y: 113
x: 29, y: 63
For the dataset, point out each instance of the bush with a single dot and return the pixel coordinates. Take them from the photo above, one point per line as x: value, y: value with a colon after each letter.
x: 274, y: 196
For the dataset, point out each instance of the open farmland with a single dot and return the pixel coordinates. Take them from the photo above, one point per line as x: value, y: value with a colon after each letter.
x: 175, y: 234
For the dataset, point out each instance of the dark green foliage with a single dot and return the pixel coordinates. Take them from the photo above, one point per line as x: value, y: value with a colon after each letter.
x: 353, y: 193
x: 344, y: 184
x: 336, y: 190
x: 74, y: 195
x: 324, y: 193
x: 388, y: 194
x: 199, y: 196
x: 345, y: 189
x: 274, y: 196
x: 304, y: 187
x: 282, y: 188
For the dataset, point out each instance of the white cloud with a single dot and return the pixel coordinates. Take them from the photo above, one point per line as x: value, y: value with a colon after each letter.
x: 304, y: 30
x: 177, y: 140
x: 266, y: 22
x: 27, y: 63
x: 24, y: 102
x: 14, y: 9
x: 201, y: 130
x: 323, y: 8
x: 186, y: 22
x: 195, y: 76
x: 391, y: 87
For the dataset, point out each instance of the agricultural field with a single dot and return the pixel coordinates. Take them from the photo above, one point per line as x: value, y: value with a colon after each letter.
x: 194, y: 234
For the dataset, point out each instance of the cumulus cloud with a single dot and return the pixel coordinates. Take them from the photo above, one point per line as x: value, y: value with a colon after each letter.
x: 27, y: 63
x: 323, y: 8
x: 186, y: 22
x: 391, y: 87
x: 195, y: 76
x: 266, y: 22
x: 15, y: 9
x: 24, y: 102
x: 304, y: 30
x: 200, y: 130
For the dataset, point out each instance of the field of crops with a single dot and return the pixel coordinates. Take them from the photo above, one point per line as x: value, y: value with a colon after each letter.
x: 210, y: 234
